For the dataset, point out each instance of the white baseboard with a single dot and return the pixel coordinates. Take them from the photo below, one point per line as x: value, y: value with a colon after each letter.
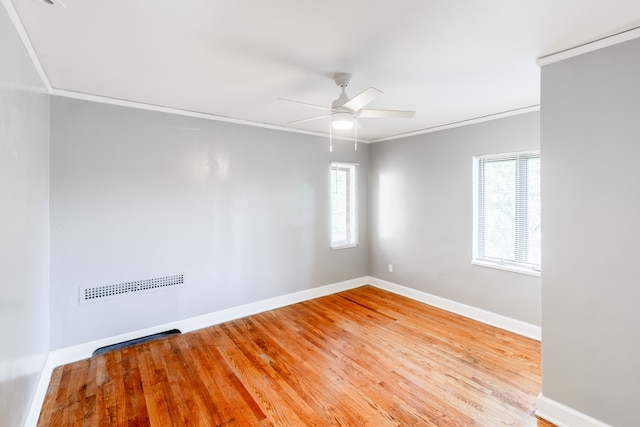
x: 484, y: 316
x: 564, y: 416
x: 41, y: 390
x: 83, y: 351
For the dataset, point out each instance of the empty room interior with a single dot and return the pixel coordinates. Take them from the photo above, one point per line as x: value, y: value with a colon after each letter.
x: 319, y: 212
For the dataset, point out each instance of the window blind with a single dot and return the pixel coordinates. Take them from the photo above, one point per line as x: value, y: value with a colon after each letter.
x: 508, y: 227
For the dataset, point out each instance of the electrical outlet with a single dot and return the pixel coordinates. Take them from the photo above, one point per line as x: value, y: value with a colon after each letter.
x: 390, y: 268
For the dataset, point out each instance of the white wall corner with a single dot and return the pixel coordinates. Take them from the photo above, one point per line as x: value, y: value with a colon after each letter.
x: 564, y: 416
x: 503, y: 322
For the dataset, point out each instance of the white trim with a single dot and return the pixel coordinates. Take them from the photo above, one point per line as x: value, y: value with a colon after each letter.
x: 506, y: 267
x: 631, y: 34
x: 37, y: 401
x: 466, y: 122
x: 82, y: 351
x: 344, y: 246
x: 13, y: 15
x: 479, y: 183
x: 22, y: 33
x: 510, y: 155
x: 170, y: 110
x: 503, y: 322
x: 564, y: 416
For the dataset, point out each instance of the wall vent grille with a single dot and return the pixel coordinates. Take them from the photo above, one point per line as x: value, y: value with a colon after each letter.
x: 133, y: 287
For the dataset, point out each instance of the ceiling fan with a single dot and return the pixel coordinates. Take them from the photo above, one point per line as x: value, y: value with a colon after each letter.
x: 344, y: 111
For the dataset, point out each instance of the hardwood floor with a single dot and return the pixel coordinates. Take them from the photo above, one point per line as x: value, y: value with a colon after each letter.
x: 359, y: 357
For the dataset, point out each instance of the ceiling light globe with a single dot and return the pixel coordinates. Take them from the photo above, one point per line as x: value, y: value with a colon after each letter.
x: 342, y: 121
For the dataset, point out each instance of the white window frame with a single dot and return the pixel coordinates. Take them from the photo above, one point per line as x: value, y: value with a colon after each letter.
x: 478, y: 256
x: 352, y: 208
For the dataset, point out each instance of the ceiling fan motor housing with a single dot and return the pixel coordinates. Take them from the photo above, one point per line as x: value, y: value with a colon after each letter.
x: 342, y: 80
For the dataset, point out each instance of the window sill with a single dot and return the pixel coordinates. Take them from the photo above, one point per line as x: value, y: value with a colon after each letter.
x: 507, y: 267
x: 345, y: 246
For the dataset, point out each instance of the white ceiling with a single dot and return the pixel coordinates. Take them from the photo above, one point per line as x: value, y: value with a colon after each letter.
x: 448, y: 60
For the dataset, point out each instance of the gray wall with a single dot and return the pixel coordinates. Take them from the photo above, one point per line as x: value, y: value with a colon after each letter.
x: 420, y: 211
x: 242, y: 211
x: 24, y: 230
x: 590, y: 120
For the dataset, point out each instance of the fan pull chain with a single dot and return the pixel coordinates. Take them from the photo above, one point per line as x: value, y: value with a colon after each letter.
x: 355, y: 132
x: 330, y: 139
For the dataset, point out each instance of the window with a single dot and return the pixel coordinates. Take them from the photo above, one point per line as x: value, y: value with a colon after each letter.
x: 343, y: 205
x: 507, y: 228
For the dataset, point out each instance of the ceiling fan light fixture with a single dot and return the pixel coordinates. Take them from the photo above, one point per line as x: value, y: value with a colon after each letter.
x: 342, y: 121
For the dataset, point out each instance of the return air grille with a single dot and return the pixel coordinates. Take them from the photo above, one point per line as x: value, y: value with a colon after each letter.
x: 138, y: 286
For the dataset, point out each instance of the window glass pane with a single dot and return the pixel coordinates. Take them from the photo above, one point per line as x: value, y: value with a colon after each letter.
x: 500, y: 209
x: 533, y: 211
x: 339, y: 205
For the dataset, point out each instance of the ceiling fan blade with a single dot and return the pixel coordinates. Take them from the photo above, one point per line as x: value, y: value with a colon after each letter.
x: 306, y: 105
x: 362, y: 99
x: 309, y: 119
x: 385, y: 114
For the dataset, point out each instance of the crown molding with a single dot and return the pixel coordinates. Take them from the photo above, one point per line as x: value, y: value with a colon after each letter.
x: 461, y: 123
x: 22, y: 33
x: 13, y: 15
x: 170, y: 110
x: 622, y: 37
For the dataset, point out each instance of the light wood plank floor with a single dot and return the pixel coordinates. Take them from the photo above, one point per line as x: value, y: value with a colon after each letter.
x: 356, y: 358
